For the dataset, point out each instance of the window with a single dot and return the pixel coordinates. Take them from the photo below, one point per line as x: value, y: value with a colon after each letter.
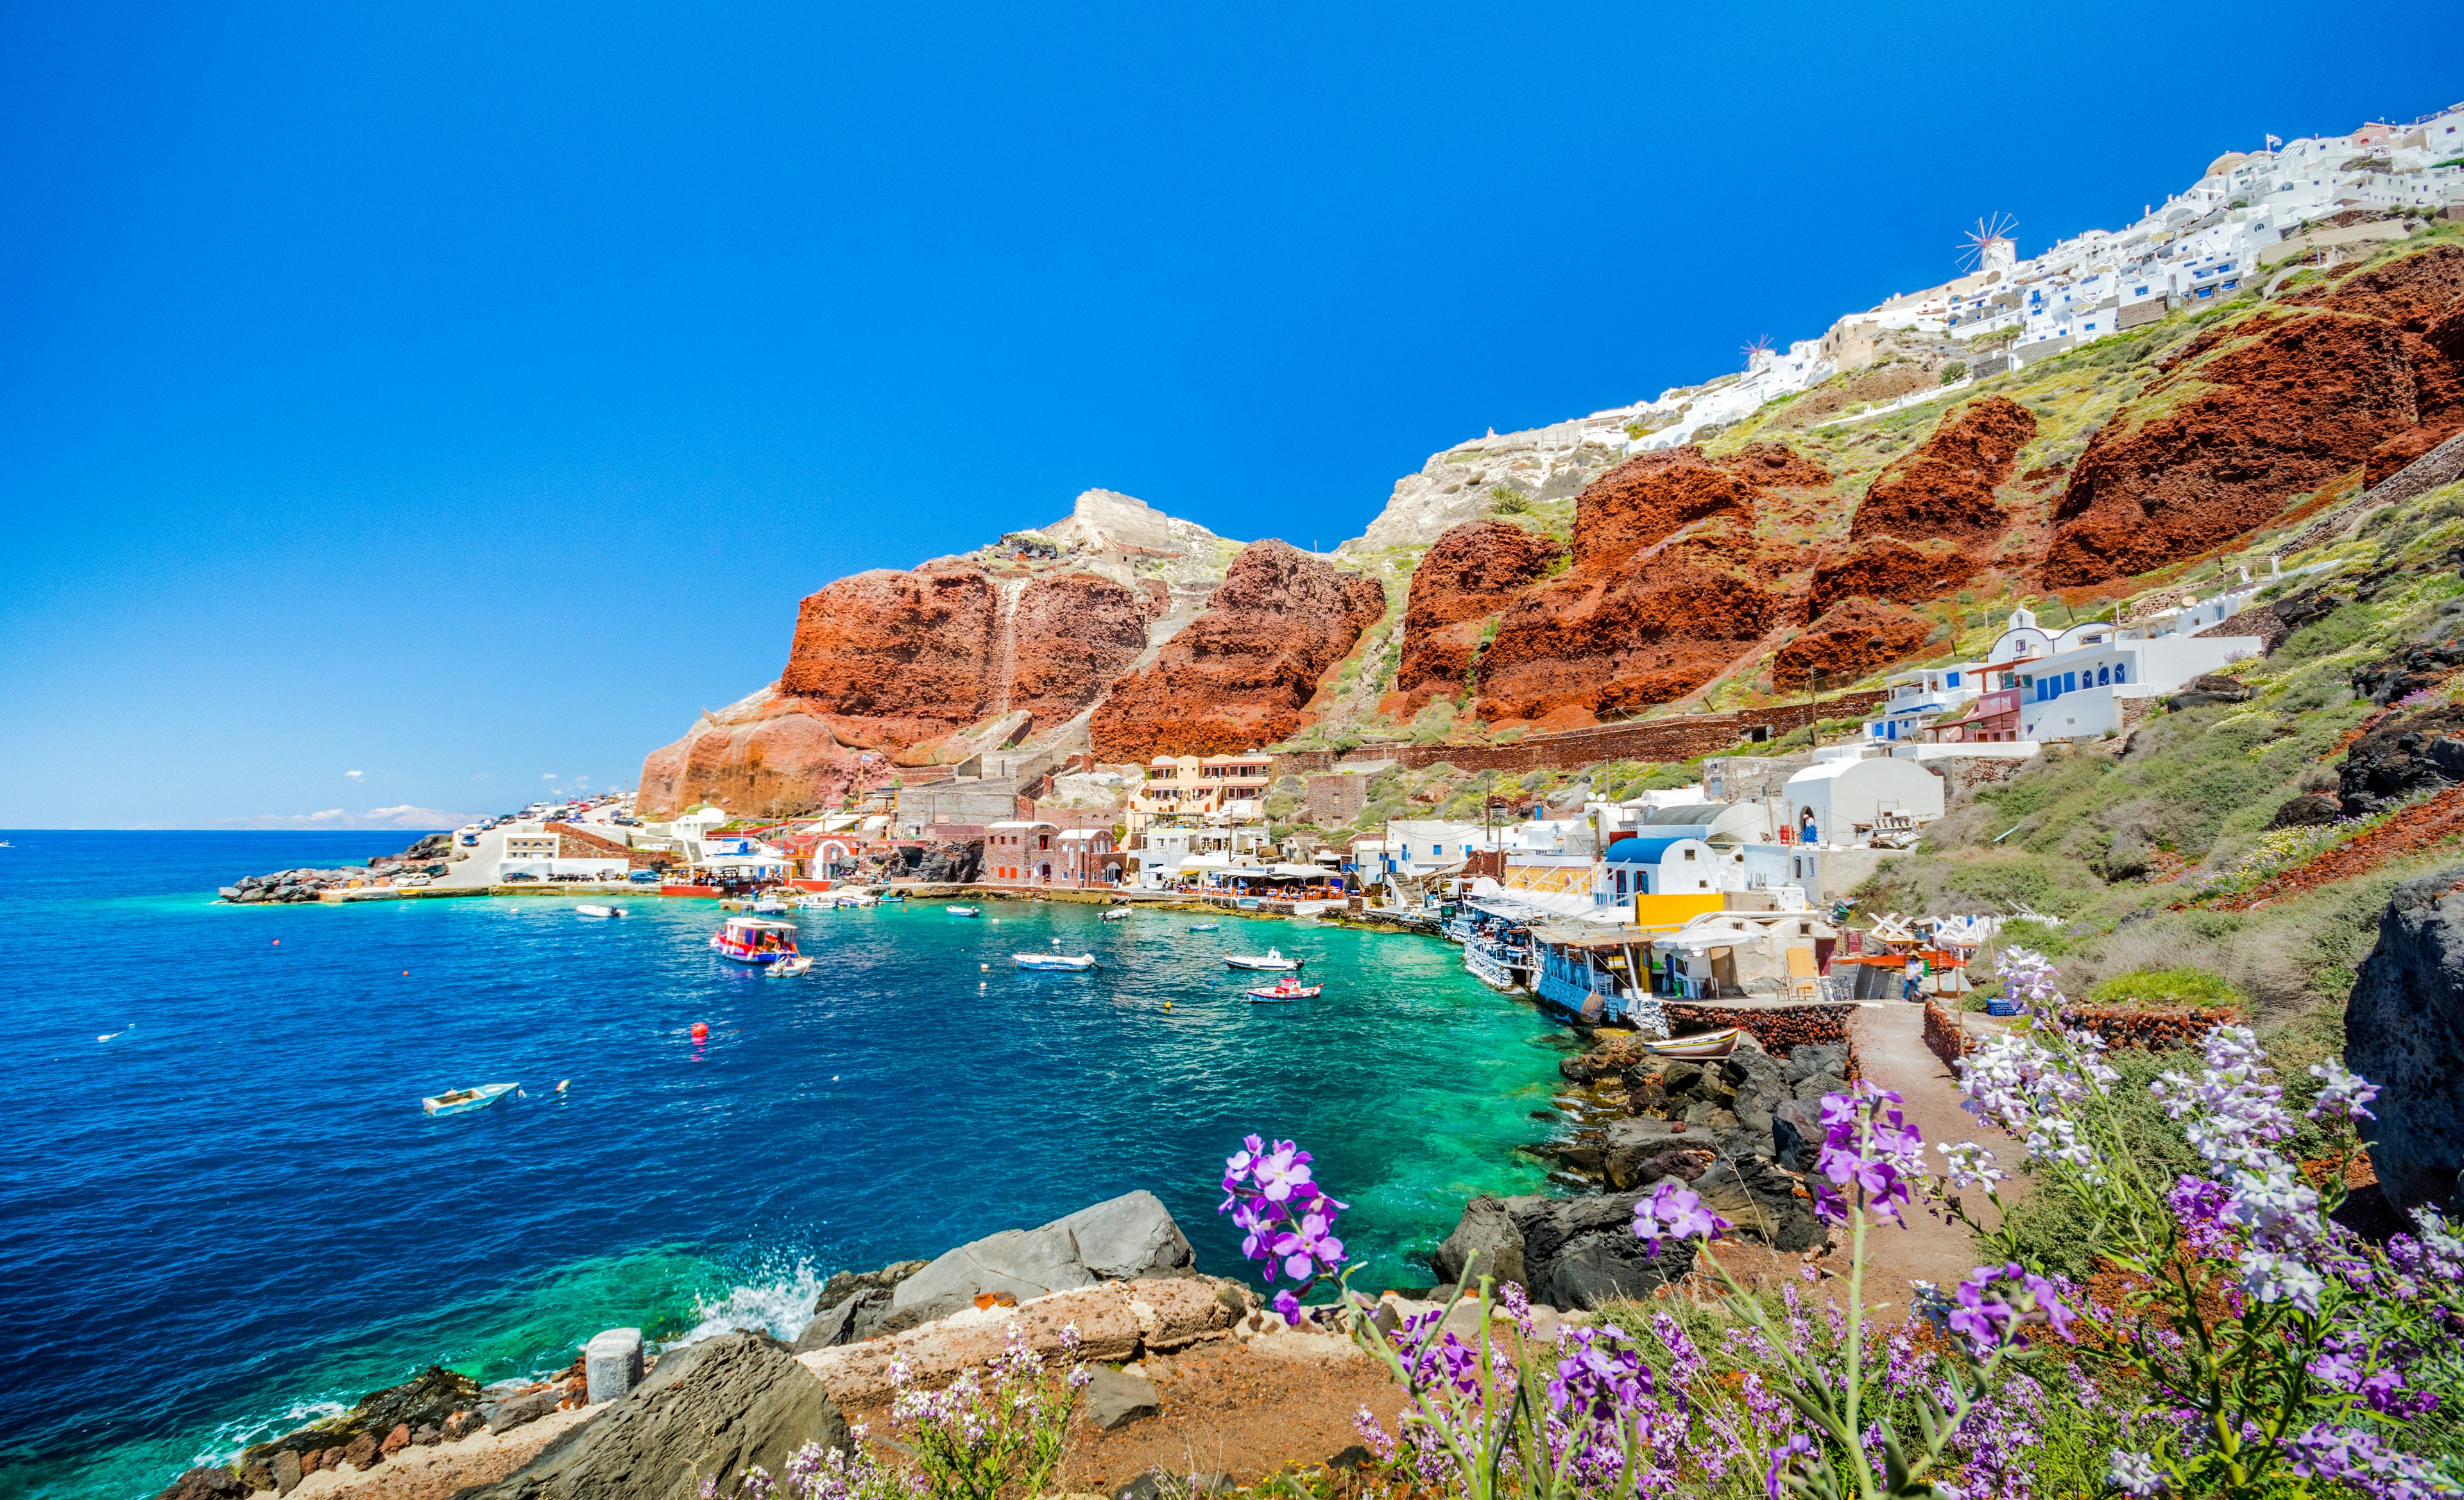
x: 1952, y: 679
x: 2122, y: 672
x: 1689, y: 855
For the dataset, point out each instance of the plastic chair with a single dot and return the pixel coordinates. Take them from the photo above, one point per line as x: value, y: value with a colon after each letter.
x: 1802, y: 979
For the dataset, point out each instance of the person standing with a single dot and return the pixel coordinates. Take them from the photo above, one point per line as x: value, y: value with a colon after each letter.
x: 1910, y: 987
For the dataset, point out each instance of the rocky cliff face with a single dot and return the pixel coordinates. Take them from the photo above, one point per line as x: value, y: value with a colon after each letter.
x: 1016, y: 640
x: 1670, y: 586
x: 1474, y: 571
x: 2366, y: 373
x: 1239, y: 676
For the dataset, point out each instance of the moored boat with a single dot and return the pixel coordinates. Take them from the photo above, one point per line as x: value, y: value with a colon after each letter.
x: 1285, y: 989
x: 587, y: 909
x: 791, y: 968
x: 461, y: 1101
x: 1204, y: 927
x: 1701, y: 1044
x: 1052, y: 960
x: 964, y: 911
x: 1271, y: 960
x: 754, y: 940
x: 1115, y: 914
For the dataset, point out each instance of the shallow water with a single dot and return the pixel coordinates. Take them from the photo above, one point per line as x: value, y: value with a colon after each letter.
x: 233, y: 1213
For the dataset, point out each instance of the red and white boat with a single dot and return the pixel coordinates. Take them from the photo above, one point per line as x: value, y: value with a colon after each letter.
x: 754, y: 940
x: 1286, y: 988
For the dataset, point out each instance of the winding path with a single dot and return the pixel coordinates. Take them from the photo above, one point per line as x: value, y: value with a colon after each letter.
x: 1891, y: 1048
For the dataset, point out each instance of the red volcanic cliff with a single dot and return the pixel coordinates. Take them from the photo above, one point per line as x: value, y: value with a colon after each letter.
x: 1670, y: 588
x: 1238, y: 676
x: 1475, y: 570
x: 1928, y: 523
x: 2368, y: 375
x: 885, y: 660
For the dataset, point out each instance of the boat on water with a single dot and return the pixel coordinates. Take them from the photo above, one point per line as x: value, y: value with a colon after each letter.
x: 1285, y: 988
x: 1115, y: 914
x: 1272, y: 961
x: 1204, y: 927
x: 964, y: 911
x: 769, y: 904
x: 754, y: 940
x: 1701, y: 1044
x: 791, y: 968
x: 857, y: 898
x: 587, y: 909
x: 462, y: 1101
x: 1054, y: 962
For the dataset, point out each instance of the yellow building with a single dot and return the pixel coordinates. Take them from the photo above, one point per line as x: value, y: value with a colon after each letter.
x: 1188, y: 788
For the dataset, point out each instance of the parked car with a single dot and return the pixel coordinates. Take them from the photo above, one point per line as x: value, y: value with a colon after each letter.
x: 520, y: 875
x: 644, y: 877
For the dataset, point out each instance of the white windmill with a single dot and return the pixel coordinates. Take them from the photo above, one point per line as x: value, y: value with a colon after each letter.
x: 1990, y: 247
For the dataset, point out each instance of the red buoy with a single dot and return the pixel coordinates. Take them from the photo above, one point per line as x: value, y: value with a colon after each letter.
x: 700, y: 1030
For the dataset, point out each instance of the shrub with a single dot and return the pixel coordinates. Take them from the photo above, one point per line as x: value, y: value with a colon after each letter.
x: 2167, y: 987
x: 1952, y: 371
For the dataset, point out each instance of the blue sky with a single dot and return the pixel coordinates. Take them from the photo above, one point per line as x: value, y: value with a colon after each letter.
x: 462, y: 397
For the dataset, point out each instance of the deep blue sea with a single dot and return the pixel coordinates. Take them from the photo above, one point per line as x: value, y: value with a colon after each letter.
x: 231, y: 1215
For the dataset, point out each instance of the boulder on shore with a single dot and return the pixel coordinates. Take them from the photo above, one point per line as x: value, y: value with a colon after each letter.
x: 2404, y: 1030
x: 711, y: 1410
x: 1572, y: 1252
x: 1128, y: 1238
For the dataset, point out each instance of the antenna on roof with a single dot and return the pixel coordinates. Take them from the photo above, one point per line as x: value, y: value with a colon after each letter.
x: 1979, y: 243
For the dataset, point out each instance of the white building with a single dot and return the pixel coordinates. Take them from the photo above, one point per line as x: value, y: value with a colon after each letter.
x: 1917, y: 699
x: 1847, y: 791
x: 2080, y: 691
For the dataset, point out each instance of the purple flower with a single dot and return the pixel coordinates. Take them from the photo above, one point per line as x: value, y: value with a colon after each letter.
x: 1288, y: 1306
x: 1995, y: 1301
x: 1869, y: 1144
x: 1783, y: 1458
x: 2135, y: 1473
x: 1303, y: 1248
x: 2199, y: 1206
x: 2355, y: 1459
x: 1674, y: 1211
x: 2342, y: 1095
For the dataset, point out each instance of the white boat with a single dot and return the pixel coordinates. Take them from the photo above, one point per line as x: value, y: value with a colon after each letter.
x: 1116, y: 914
x: 791, y: 968
x: 1701, y: 1044
x: 964, y: 911
x: 587, y: 909
x: 858, y: 898
x: 1052, y: 960
x: 754, y: 940
x: 816, y: 903
x: 461, y: 1101
x: 768, y: 904
x: 1204, y: 927
x: 1272, y: 960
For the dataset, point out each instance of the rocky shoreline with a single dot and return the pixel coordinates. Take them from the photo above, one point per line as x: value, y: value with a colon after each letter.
x: 431, y: 855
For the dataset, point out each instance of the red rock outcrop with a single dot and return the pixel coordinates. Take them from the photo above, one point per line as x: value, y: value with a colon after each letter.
x: 769, y: 755
x: 1944, y: 487
x: 1238, y: 676
x: 887, y: 661
x: 1645, y: 629
x: 2361, y: 373
x: 1668, y: 587
x: 1848, y: 642
x: 1474, y: 571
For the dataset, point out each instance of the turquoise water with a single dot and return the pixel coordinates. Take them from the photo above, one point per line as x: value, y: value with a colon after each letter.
x: 233, y: 1215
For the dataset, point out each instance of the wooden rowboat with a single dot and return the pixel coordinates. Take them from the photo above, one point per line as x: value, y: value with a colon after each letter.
x: 461, y: 1101
x: 1701, y: 1044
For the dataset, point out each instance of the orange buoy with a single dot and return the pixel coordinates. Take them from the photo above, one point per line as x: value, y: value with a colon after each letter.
x: 700, y: 1030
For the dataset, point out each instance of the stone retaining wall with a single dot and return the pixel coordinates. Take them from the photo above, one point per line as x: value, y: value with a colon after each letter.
x: 1680, y: 736
x: 1779, y: 1029
x: 1944, y: 1036
x: 2157, y: 1028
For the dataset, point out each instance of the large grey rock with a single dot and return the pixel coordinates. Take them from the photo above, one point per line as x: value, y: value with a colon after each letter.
x: 1796, y: 1134
x: 1125, y: 1239
x: 611, y: 1363
x: 1115, y: 1398
x: 521, y: 1411
x: 853, y: 1305
x: 1761, y: 1201
x: 2404, y: 1030
x: 1811, y: 1058
x: 710, y: 1410
x: 1484, y: 1243
x: 1637, y: 1150
x: 1581, y: 1251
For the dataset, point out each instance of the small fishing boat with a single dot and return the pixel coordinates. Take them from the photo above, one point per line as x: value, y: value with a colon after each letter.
x: 1702, y: 1045
x: 462, y: 1101
x: 1204, y: 927
x: 858, y: 898
x: 1285, y: 989
x: 964, y: 911
x: 1272, y: 961
x: 587, y: 909
x: 816, y: 903
x: 791, y: 968
x: 769, y: 904
x: 1116, y: 914
x: 1054, y: 962
x: 754, y: 940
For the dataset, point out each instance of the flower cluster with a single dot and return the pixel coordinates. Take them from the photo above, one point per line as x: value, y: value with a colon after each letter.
x: 1270, y: 1192
x: 2035, y: 1092
x: 1990, y: 1308
x: 2342, y: 1096
x: 1869, y: 1144
x: 2356, y: 1460
x: 1675, y: 1211
x: 990, y: 1430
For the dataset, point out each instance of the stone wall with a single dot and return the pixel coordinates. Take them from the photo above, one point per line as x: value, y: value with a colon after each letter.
x: 1944, y: 1036
x: 2156, y: 1027
x: 1681, y: 737
x: 1780, y: 1028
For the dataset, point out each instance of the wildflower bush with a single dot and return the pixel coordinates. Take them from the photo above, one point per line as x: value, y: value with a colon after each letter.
x: 992, y: 1432
x: 2241, y: 1344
